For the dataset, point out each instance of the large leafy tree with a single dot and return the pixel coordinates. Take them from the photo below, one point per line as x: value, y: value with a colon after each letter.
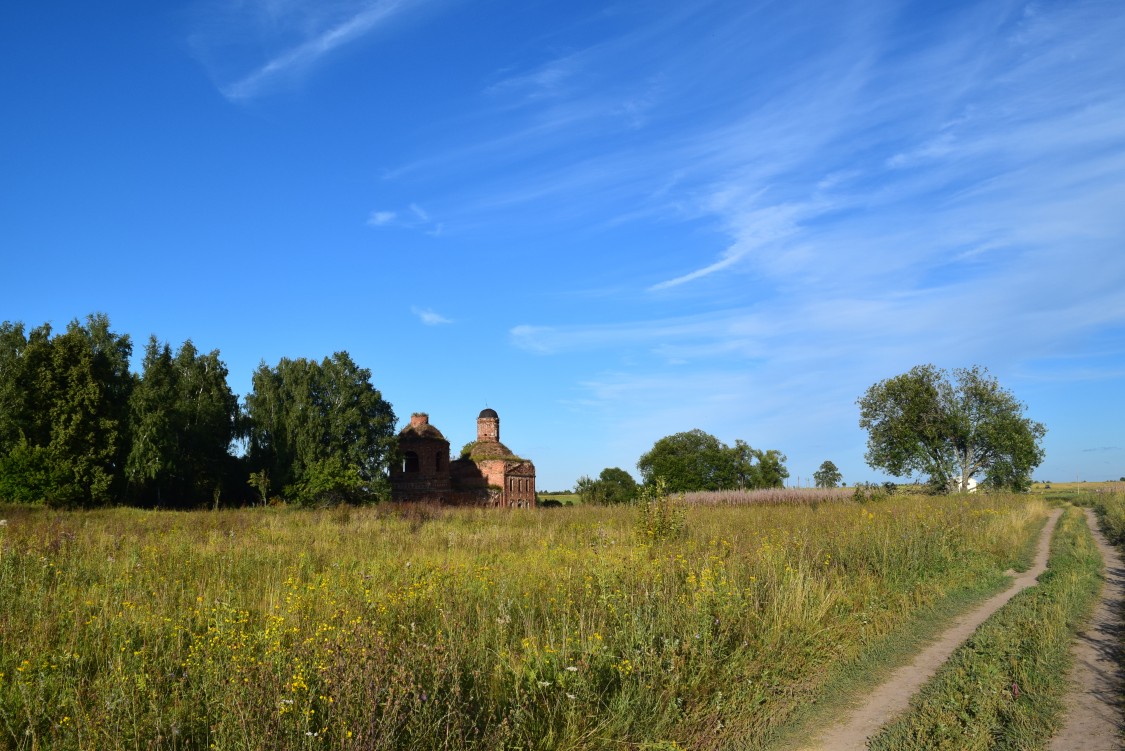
x: 64, y: 412
x: 695, y: 460
x: 828, y: 476
x: 183, y: 416
x: 689, y: 461
x: 950, y: 429
x: 319, y: 431
x: 771, y: 471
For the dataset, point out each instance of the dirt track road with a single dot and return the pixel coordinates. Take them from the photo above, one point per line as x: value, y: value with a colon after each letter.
x: 1094, y: 711
x: 893, y: 696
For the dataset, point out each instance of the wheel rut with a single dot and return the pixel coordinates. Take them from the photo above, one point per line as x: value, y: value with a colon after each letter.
x: 893, y: 696
x: 1093, y: 719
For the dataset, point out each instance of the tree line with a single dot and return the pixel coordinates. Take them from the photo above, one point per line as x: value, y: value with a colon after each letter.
x: 78, y: 428
x: 690, y: 461
x: 938, y: 429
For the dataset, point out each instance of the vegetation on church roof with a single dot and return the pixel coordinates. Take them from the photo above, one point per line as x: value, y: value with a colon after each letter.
x: 478, y: 450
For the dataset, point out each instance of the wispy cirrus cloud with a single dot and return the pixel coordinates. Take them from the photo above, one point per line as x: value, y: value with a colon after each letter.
x: 916, y: 154
x: 807, y: 195
x: 295, y: 36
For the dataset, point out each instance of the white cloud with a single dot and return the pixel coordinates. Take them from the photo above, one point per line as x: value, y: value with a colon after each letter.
x: 413, y: 217
x: 381, y: 218
x: 429, y: 317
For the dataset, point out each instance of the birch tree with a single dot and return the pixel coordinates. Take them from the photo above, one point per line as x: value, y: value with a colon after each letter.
x: 320, y: 431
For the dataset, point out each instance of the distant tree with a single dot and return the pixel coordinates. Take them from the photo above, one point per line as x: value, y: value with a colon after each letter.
x: 320, y: 431
x: 689, y: 461
x: 771, y: 469
x: 64, y: 413
x: 921, y: 422
x: 828, y: 476
x: 183, y: 416
x: 209, y: 410
x: 154, y: 452
x: 746, y: 474
x: 613, y: 486
x: 589, y: 490
x: 15, y: 386
x: 696, y: 460
x: 620, y: 487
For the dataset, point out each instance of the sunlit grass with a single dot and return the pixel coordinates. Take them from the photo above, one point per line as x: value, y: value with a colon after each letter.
x: 431, y: 628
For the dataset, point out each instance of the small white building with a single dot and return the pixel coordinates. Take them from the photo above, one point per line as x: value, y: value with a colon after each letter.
x: 955, y: 485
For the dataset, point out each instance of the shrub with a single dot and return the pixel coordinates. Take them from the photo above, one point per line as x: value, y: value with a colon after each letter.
x: 660, y: 516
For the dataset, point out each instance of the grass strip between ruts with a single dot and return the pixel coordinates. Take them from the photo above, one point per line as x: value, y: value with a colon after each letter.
x: 849, y: 683
x: 1004, y: 688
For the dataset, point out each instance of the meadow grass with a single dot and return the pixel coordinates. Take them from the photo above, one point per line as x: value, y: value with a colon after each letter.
x: 1110, y: 508
x: 767, y: 495
x: 1004, y: 688
x: 436, y: 628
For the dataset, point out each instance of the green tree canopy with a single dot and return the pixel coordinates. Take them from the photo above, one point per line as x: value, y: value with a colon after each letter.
x: 183, y: 417
x: 64, y: 412
x: 771, y: 471
x: 319, y: 430
x: 922, y: 422
x: 689, y: 461
x: 613, y: 486
x: 828, y: 476
x: 696, y: 460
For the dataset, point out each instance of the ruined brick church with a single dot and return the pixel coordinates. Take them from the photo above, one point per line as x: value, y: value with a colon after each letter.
x: 486, y: 474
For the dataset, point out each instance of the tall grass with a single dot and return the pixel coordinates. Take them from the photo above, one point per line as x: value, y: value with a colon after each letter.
x: 1110, y: 508
x: 766, y: 495
x: 433, y: 628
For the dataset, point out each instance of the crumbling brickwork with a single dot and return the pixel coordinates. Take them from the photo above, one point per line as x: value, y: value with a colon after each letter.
x: 487, y: 474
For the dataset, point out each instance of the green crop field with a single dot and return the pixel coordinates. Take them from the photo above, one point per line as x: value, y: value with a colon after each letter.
x: 564, y: 499
x: 402, y: 628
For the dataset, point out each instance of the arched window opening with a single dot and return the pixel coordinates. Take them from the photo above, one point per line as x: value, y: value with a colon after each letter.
x: 410, y: 462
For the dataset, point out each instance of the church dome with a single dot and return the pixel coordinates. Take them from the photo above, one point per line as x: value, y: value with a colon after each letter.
x: 419, y: 427
x: 486, y: 412
x: 490, y: 450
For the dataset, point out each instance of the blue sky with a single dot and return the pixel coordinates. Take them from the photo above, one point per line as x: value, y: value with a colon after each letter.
x: 610, y: 222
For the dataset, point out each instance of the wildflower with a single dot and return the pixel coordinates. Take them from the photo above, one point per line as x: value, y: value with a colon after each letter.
x: 571, y: 669
x: 571, y: 696
x: 544, y: 684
